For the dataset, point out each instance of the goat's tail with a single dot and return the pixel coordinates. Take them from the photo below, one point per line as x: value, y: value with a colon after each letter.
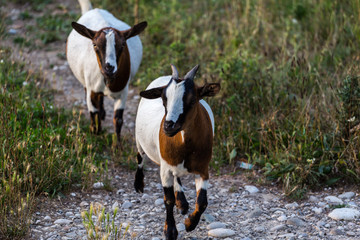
x: 85, y: 6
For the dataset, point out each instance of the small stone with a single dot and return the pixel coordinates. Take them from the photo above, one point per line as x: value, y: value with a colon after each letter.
x: 73, y: 194
x: 313, y: 199
x: 159, y: 202
x: 180, y: 227
x: 317, y: 210
x: 278, y: 228
x: 114, y: 206
x: 120, y: 191
x: 126, y: 205
x: 336, y: 231
x: 347, y: 195
x: 69, y: 214
x: 155, y: 238
x: 63, y: 221
x: 98, y: 185
x: 344, y: 214
x: 12, y: 31
x: 221, y: 232
x: 255, y: 213
x: 295, y: 222
x: 47, y: 218
x: 215, y: 225
x: 208, y: 218
x: 350, y: 233
x: 293, y: 205
x: 333, y: 200
x: 251, y: 189
x: 145, y: 196
x: 282, y: 218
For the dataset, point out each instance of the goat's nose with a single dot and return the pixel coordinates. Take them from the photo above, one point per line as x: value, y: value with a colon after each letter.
x: 109, y: 68
x: 169, y: 125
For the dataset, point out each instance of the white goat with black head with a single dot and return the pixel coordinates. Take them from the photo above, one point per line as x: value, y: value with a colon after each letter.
x: 175, y: 129
x: 104, y: 54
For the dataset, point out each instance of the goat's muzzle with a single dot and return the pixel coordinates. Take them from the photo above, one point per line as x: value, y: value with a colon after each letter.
x: 171, y: 128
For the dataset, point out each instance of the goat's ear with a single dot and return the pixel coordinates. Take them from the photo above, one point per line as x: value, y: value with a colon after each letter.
x: 152, y: 93
x: 209, y: 90
x: 81, y: 29
x: 135, y: 30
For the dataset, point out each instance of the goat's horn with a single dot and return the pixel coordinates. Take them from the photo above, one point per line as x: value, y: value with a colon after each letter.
x: 175, y: 74
x: 192, y: 72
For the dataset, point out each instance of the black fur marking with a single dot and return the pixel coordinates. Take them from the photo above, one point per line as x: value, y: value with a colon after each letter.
x: 170, y: 230
x: 118, y: 121
x: 181, y: 202
x: 139, y: 176
x: 201, y: 203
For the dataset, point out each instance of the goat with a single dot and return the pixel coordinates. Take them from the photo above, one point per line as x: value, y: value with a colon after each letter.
x: 176, y: 132
x: 104, y: 54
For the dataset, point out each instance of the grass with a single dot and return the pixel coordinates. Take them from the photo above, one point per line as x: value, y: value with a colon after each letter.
x: 286, y: 103
x: 44, y: 149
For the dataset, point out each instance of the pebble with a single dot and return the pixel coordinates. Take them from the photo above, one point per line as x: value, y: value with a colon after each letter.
x: 333, y: 200
x: 251, y: 189
x: 98, y: 185
x: 255, y: 213
x: 47, y: 218
x: 159, y: 202
x: 313, y: 199
x: 63, y: 221
x: 317, y: 210
x: 282, y: 218
x: 347, y: 195
x: 215, y: 225
x: 295, y: 222
x: 293, y: 205
x: 344, y: 214
x: 180, y: 227
x: 278, y: 228
x: 221, y: 232
x: 336, y: 231
x: 208, y: 218
x: 126, y: 205
x: 69, y: 214
x: 114, y: 206
x: 12, y: 31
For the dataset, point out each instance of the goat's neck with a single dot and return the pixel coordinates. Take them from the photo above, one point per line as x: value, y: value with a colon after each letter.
x: 119, y: 81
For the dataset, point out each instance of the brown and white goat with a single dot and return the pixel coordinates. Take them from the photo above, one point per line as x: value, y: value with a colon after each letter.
x: 104, y: 54
x: 175, y: 128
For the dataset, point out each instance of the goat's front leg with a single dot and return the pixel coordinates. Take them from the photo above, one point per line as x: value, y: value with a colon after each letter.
x: 167, y: 181
x: 181, y: 202
x: 95, y: 103
x: 119, y: 107
x: 201, y: 203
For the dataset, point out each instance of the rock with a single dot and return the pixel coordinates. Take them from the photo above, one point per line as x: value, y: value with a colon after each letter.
x: 313, y: 199
x: 98, y: 185
x: 180, y: 227
x: 120, y: 191
x: 347, y: 195
x: 293, y: 205
x: 251, y: 189
x: 221, y: 232
x: 63, y: 221
x: 282, y: 218
x: 295, y: 222
x: 12, y: 31
x: 333, y: 200
x: 255, y: 213
x: 336, y: 231
x: 114, y: 206
x: 215, y: 225
x: 278, y: 228
x: 159, y: 202
x: 69, y: 214
x: 317, y: 210
x: 155, y: 238
x: 208, y: 218
x: 47, y: 218
x: 145, y: 196
x: 126, y: 205
x: 73, y: 194
x: 344, y: 214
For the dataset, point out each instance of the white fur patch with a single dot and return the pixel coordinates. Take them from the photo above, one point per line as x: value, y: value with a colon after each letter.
x: 175, y: 171
x: 200, y: 183
x: 175, y: 106
x: 182, y: 135
x: 110, y: 55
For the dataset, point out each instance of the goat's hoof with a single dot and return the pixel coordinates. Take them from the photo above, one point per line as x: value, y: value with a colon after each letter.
x: 171, y: 233
x: 190, y: 223
x: 139, y: 186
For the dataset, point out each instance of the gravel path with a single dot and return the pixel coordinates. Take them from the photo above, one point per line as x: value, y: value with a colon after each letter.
x: 236, y: 209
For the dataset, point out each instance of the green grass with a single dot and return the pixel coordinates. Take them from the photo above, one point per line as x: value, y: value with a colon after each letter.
x: 284, y: 67
x: 44, y: 149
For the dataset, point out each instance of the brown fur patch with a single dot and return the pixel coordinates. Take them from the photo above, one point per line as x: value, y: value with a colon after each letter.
x: 197, y: 148
x: 123, y: 72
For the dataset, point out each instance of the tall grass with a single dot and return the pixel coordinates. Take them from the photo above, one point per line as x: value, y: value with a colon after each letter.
x: 283, y: 67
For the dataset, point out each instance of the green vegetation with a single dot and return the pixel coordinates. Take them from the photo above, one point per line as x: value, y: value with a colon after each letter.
x: 288, y: 71
x: 44, y: 149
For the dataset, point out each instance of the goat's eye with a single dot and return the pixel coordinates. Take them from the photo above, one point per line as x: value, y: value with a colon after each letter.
x: 94, y: 45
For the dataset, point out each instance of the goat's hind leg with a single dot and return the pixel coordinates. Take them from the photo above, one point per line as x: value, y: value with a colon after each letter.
x: 201, y: 203
x: 181, y: 202
x: 139, y: 176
